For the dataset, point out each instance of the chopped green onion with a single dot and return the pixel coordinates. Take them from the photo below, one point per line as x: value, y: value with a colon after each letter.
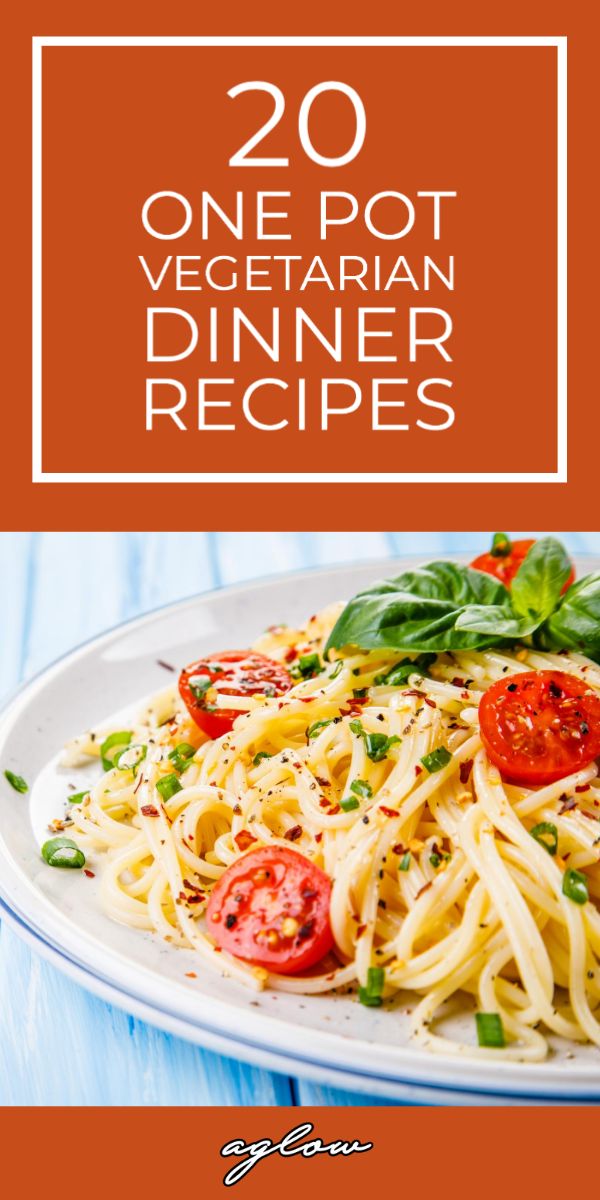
x: 349, y: 803
x: 371, y: 994
x: 401, y: 671
x: 307, y: 667
x: 181, y: 756
x: 77, y: 797
x: 376, y: 744
x: 168, y: 786
x: 360, y: 787
x: 16, y: 781
x: 490, y: 1031
x: 112, y: 745
x: 199, y: 685
x: 62, y: 852
x: 501, y: 545
x: 258, y: 758
x: 123, y: 761
x: 435, y: 860
x: 313, y: 730
x: 436, y: 760
x: 574, y: 886
x: 337, y: 668
x: 359, y: 693
x: 544, y: 830
x: 405, y: 861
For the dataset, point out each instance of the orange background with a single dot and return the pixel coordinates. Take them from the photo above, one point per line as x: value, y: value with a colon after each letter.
x: 419, y: 1153
x: 302, y: 506
x: 122, y: 123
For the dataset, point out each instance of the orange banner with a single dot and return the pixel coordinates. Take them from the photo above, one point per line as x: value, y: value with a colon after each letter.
x: 297, y: 1152
x: 122, y: 124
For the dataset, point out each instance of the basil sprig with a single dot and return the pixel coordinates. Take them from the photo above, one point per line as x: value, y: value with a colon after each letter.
x: 446, y: 606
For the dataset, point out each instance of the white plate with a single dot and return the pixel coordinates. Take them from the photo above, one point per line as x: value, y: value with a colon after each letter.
x: 330, y: 1039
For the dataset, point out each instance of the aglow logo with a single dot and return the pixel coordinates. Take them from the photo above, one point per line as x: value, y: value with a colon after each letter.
x: 290, y: 1144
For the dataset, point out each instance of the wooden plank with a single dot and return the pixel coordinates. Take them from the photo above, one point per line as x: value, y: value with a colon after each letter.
x: 59, y: 1044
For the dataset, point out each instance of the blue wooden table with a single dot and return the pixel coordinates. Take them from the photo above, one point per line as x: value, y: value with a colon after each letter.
x: 58, y: 1044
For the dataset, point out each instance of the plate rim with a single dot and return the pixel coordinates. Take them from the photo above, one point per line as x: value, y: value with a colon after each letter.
x: 521, y: 1082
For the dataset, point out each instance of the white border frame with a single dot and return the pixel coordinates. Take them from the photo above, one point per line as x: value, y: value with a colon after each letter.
x: 40, y: 476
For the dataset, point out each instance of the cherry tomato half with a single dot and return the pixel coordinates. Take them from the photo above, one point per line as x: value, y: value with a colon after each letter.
x: 505, y: 565
x: 271, y: 908
x: 232, y: 673
x: 539, y: 726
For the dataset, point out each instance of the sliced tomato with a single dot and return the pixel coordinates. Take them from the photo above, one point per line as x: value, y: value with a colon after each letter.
x: 271, y: 908
x: 228, y: 673
x: 539, y: 726
x: 505, y: 559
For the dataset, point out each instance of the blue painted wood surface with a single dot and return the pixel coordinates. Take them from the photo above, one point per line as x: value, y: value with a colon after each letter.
x: 58, y: 1044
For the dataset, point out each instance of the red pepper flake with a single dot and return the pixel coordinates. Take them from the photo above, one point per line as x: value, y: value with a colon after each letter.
x: 353, y: 707
x: 332, y: 811
x: 149, y: 810
x: 465, y: 695
x: 430, y: 702
x: 418, y: 770
x: 191, y: 975
x: 465, y: 770
x: 389, y: 812
x: 583, y: 787
x: 567, y: 806
x: 294, y: 833
x: 318, y: 837
x: 324, y: 803
x: 458, y: 682
x: 399, y: 849
x: 360, y: 931
x: 291, y: 654
x: 425, y: 888
x: 414, y: 692
x: 198, y: 893
x: 243, y: 839
x: 90, y: 874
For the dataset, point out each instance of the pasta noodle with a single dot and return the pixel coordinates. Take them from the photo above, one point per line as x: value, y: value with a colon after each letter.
x: 436, y: 877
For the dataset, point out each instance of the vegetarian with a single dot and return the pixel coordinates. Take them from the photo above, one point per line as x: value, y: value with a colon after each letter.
x: 228, y: 673
x: 539, y: 726
x: 271, y: 908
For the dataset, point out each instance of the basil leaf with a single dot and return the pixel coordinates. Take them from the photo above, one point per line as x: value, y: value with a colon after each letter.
x: 400, y: 672
x: 575, y: 623
x: 496, y: 620
x: 418, y: 610
x: 536, y: 587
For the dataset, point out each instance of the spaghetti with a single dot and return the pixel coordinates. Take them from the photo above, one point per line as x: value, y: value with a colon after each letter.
x: 439, y: 887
